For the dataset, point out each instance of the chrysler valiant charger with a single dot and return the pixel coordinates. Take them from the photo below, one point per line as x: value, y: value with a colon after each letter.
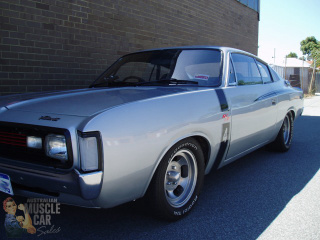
x: 153, y: 124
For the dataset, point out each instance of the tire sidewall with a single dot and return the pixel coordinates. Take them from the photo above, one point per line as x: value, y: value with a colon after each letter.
x: 287, y: 146
x: 279, y: 143
x: 175, y: 213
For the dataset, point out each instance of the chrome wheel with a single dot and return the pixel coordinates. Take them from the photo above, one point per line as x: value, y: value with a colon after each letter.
x: 181, y: 178
x: 286, y: 130
x: 282, y: 143
x: 177, y: 182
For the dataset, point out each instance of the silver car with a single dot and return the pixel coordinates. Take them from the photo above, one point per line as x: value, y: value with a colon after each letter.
x: 153, y: 124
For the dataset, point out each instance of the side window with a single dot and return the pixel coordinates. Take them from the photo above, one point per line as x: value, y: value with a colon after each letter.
x: 232, y: 75
x: 275, y: 75
x: 265, y: 74
x: 246, y: 70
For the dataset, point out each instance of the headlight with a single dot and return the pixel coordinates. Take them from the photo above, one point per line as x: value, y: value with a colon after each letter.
x: 34, y: 142
x: 56, y: 147
x: 89, y: 145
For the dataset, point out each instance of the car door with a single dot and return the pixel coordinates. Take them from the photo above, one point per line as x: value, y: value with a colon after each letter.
x: 252, y: 102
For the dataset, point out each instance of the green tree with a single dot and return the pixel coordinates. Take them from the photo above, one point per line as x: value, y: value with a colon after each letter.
x: 315, y: 54
x: 308, y: 45
x: 292, y: 55
x: 311, y: 47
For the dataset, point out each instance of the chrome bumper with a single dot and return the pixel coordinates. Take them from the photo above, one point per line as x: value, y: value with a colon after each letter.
x: 84, y: 185
x: 90, y: 184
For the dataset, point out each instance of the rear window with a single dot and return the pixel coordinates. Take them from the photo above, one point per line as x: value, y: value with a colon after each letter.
x: 274, y: 74
x: 265, y: 74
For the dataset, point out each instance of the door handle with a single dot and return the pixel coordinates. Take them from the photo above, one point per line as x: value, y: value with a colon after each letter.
x: 274, y: 102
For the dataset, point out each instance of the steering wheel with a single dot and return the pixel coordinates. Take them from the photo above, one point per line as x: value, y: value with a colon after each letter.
x: 139, y: 79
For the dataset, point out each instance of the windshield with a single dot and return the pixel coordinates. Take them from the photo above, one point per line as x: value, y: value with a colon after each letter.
x: 164, y: 67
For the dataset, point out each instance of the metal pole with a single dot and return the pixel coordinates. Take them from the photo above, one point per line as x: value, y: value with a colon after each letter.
x: 302, y: 75
x: 313, y: 75
x: 285, y: 68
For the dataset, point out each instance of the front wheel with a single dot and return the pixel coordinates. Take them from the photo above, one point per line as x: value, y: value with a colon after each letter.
x: 284, y: 138
x: 177, y: 182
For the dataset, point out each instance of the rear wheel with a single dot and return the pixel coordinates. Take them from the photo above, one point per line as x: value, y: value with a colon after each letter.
x: 177, y: 182
x: 284, y: 138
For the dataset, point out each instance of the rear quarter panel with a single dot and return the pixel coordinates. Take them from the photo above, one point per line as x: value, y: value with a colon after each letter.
x: 288, y: 99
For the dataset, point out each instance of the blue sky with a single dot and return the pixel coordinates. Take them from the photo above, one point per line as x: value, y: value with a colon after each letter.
x: 284, y: 24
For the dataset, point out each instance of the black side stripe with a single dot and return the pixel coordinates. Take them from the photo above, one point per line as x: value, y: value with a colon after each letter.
x: 222, y: 99
x: 225, y: 129
x: 223, y: 145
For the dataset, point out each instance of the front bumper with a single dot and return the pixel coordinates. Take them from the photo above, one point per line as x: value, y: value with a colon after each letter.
x: 90, y: 184
x: 70, y: 187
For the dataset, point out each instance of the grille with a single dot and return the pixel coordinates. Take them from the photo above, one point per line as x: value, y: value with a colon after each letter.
x: 13, y: 145
x: 15, y: 139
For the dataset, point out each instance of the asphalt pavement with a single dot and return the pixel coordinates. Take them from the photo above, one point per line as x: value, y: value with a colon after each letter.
x: 300, y: 219
x: 264, y: 195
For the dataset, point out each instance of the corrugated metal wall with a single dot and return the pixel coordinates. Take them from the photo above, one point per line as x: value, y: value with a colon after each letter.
x: 286, y: 72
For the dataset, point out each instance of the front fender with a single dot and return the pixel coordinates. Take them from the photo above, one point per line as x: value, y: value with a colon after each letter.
x: 136, y: 136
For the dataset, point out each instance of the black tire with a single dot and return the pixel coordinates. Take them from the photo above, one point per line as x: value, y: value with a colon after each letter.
x: 284, y: 138
x: 177, y: 182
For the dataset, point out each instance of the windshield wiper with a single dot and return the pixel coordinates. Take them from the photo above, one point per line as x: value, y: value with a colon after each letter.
x: 168, y: 82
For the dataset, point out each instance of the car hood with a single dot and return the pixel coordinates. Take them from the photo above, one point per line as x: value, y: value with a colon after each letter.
x: 83, y: 102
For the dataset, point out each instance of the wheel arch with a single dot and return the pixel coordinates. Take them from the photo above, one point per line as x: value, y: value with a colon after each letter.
x: 200, y: 138
x: 293, y: 114
x: 205, y: 146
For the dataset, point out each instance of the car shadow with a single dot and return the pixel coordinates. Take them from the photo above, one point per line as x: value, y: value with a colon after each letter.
x: 238, y: 201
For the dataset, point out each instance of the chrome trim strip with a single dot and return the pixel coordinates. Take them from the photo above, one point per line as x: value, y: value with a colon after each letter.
x: 270, y: 94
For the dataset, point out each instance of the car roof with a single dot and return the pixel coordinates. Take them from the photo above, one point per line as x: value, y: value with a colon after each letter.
x: 224, y: 49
